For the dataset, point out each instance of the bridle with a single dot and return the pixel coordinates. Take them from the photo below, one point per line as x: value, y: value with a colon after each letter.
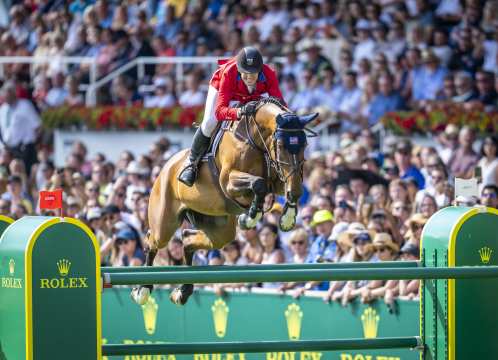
x: 274, y: 162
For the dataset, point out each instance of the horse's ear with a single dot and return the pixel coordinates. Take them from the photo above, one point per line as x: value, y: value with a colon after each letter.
x: 306, y: 119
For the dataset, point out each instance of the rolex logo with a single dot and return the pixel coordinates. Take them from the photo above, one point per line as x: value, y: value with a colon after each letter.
x: 63, y: 265
x: 370, y: 321
x: 220, y: 317
x: 294, y: 317
x: 149, y: 310
x: 485, y: 254
x: 12, y: 267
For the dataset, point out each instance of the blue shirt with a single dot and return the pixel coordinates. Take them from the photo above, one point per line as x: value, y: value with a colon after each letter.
x: 382, y: 104
x: 321, y: 248
x: 324, y: 249
x: 426, y: 84
x: 415, y: 173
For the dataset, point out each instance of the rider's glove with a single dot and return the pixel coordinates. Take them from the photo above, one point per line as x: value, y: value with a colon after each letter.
x: 248, y: 109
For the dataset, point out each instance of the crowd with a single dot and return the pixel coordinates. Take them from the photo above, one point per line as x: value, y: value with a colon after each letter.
x: 354, y: 60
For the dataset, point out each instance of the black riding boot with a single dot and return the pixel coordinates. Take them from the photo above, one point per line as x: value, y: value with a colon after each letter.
x: 199, y: 147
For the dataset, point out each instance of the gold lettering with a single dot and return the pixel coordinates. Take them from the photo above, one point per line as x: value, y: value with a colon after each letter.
x: 83, y: 282
x: 73, y: 282
x: 230, y: 357
x: 171, y: 357
x: 54, y: 283
x: 201, y: 357
x: 305, y: 355
x: 291, y: 355
x: 63, y: 283
x: 359, y: 357
x: 271, y: 356
x: 382, y: 358
x: 346, y: 357
x: 316, y: 355
x: 242, y: 356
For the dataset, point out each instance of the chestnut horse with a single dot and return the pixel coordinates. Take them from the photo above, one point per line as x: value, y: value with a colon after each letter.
x: 261, y: 153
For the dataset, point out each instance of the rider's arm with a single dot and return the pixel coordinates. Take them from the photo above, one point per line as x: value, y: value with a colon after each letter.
x: 223, y: 111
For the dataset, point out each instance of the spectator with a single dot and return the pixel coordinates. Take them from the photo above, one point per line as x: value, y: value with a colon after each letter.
x: 385, y: 101
x: 404, y: 164
x: 489, y: 196
x: 57, y: 95
x: 489, y: 161
x: 349, y: 103
x: 464, y: 159
x: 192, y: 96
x: 163, y: 94
x: 19, y: 125
x: 486, y: 93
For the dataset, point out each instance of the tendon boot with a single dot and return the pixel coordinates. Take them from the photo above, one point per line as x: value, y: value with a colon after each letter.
x: 199, y: 147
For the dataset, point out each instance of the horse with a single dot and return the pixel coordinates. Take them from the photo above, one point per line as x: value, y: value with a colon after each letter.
x: 260, y: 154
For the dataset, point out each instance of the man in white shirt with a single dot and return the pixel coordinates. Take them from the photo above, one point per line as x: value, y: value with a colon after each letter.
x: 192, y: 96
x: 19, y: 124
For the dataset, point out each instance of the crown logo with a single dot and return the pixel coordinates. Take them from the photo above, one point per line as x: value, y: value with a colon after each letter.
x: 149, y: 310
x: 485, y: 254
x: 220, y: 317
x: 12, y: 267
x: 63, y: 266
x: 294, y: 317
x: 370, y: 321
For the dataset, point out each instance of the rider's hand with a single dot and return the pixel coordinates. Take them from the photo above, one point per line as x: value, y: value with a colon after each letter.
x: 248, y: 109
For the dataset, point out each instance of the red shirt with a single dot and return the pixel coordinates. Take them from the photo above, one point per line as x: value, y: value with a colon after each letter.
x: 230, y: 87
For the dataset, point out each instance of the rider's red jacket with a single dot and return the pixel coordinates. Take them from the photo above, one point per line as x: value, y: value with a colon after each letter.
x: 230, y: 87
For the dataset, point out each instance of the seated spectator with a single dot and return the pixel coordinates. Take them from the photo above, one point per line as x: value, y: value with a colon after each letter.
x: 408, y: 289
x: 57, y: 95
x: 385, y: 101
x: 163, y: 96
x: 463, y: 160
x: 73, y: 97
x: 16, y: 195
x: 349, y: 105
x: 403, y: 160
x: 427, y: 205
x: 415, y: 226
x: 489, y: 160
x: 363, y: 250
x: 466, y: 56
x: 489, y: 196
x: 386, y: 250
x: 232, y: 254
x: 486, y: 94
x: 251, y: 247
x: 464, y: 88
x: 192, y: 96
x: 130, y: 251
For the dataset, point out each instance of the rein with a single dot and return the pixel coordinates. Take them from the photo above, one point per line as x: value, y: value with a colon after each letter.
x: 274, y: 162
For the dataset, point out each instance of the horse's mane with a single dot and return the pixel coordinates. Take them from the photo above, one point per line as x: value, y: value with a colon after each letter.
x: 271, y: 100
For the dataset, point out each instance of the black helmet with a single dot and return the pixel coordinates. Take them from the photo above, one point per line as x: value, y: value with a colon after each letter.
x: 249, y: 60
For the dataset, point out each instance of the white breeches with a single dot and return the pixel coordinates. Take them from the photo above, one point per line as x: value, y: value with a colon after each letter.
x: 209, y: 121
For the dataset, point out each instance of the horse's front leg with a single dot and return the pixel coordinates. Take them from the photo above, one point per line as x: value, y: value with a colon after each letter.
x: 244, y: 184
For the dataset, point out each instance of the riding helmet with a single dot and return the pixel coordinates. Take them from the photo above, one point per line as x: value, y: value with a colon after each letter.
x: 249, y: 60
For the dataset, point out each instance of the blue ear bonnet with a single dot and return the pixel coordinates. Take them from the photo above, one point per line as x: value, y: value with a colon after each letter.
x: 295, y: 139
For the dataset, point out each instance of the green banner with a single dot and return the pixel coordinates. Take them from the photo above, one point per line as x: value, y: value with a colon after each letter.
x: 249, y: 316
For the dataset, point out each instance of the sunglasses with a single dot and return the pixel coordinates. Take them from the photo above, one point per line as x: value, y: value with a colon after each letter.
x: 120, y: 195
x: 297, y: 242
x: 489, y: 195
x: 307, y: 217
x: 93, y: 189
x: 400, y: 208
x: 382, y: 249
x: 416, y: 227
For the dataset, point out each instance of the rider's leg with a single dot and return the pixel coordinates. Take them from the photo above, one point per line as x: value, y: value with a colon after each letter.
x: 201, y: 141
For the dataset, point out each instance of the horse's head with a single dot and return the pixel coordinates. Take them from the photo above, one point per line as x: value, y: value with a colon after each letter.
x: 286, y: 141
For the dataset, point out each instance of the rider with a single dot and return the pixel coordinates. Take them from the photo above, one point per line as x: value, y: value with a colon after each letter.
x: 241, y: 80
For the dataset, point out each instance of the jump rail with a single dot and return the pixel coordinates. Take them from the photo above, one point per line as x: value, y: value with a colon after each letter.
x: 358, y: 265
x: 413, y: 342
x: 243, y: 276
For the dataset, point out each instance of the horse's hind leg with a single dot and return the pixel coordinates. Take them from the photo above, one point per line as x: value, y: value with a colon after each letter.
x: 193, y: 240
x: 210, y: 237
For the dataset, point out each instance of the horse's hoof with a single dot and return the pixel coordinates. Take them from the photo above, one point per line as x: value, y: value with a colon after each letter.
x: 180, y: 295
x: 140, y: 294
x: 288, y: 219
x: 246, y: 222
